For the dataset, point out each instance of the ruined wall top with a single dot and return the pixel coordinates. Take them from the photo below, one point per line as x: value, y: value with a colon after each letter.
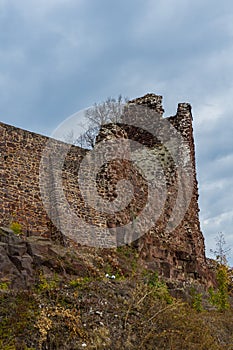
x: 152, y: 101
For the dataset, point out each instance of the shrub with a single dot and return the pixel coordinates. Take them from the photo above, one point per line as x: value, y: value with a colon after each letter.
x: 158, y: 287
x: 4, y: 286
x: 16, y: 228
x: 220, y: 297
x: 196, y: 300
x: 47, y: 285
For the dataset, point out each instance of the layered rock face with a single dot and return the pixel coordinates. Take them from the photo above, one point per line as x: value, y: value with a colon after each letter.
x: 173, y: 247
x: 24, y: 259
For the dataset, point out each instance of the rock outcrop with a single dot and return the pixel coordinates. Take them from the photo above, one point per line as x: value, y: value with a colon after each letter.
x: 22, y: 259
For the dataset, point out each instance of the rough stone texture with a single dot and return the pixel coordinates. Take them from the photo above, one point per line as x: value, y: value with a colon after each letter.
x: 176, y: 255
x: 15, y: 261
x: 22, y: 259
x: 20, y: 153
x: 179, y: 254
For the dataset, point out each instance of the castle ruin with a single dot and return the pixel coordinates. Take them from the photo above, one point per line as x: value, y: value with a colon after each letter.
x: 178, y: 254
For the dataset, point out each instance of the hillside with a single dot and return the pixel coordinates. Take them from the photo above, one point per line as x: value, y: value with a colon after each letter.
x: 54, y: 297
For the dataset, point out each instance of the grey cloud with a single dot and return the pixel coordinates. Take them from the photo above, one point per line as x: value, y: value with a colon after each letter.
x: 58, y: 56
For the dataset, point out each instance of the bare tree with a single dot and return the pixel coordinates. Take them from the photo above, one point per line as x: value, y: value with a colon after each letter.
x: 222, y: 250
x: 109, y: 111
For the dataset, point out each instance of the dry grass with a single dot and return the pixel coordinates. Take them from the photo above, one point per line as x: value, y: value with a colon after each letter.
x: 90, y: 311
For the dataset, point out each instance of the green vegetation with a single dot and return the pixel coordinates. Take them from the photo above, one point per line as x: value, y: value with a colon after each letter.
x: 220, y: 297
x: 158, y: 287
x: 46, y: 284
x: 74, y: 305
x: 94, y: 312
x: 196, y: 300
x: 16, y: 228
x: 4, y: 286
x: 80, y: 281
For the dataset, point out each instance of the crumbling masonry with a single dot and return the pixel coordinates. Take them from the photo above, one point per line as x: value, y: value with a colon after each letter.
x: 177, y: 255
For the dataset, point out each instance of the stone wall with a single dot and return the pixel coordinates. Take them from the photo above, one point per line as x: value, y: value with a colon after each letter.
x: 178, y: 254
x: 21, y: 153
x: 19, y: 182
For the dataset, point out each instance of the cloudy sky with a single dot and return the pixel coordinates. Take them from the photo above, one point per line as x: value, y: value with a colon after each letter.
x: 60, y: 56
